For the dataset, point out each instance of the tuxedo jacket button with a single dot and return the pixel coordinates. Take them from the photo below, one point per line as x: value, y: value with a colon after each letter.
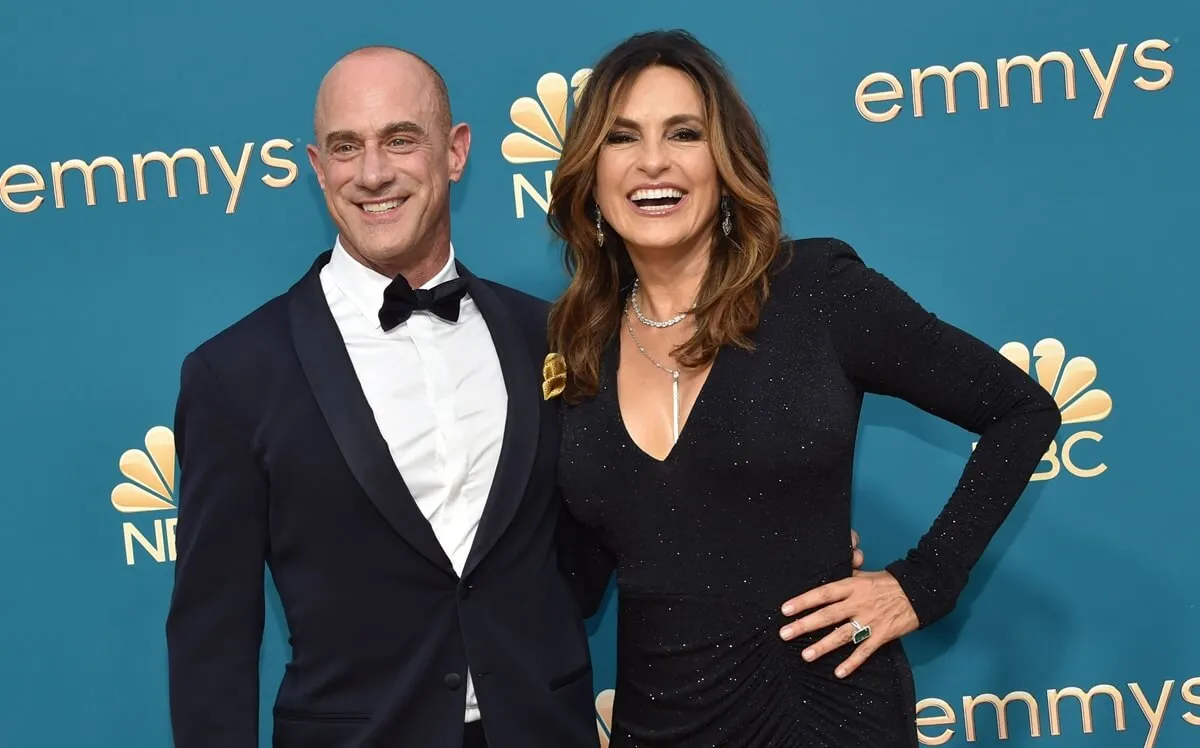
x: 453, y: 681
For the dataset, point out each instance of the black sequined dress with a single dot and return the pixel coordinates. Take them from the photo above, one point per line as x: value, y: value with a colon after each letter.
x: 752, y: 507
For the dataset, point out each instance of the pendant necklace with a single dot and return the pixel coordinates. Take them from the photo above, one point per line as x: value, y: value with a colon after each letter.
x: 673, y: 372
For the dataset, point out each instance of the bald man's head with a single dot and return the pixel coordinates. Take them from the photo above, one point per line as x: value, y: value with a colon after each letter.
x: 386, y: 152
x: 377, y: 58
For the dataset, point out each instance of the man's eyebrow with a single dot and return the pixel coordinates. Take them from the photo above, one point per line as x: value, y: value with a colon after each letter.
x: 392, y: 128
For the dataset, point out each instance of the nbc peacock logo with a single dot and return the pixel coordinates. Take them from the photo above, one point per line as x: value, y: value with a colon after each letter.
x: 149, y: 489
x: 543, y: 125
x: 604, y: 712
x: 1069, y: 380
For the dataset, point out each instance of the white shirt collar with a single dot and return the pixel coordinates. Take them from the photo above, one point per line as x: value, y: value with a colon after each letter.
x: 364, y: 287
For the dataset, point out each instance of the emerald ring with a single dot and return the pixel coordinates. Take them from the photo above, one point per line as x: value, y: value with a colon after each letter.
x: 861, y: 632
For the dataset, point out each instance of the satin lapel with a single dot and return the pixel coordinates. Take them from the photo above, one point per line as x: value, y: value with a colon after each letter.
x: 334, y: 383
x: 519, y: 446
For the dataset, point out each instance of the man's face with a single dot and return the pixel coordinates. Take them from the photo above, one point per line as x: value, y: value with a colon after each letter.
x: 385, y: 156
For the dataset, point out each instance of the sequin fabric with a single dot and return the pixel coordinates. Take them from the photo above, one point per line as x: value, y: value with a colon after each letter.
x: 752, y: 507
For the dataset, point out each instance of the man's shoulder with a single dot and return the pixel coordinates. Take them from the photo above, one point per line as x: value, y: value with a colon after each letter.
x: 252, y: 335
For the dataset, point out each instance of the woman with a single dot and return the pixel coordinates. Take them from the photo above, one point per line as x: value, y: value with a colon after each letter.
x: 715, y: 373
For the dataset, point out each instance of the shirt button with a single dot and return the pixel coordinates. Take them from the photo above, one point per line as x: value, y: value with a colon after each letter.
x: 453, y: 681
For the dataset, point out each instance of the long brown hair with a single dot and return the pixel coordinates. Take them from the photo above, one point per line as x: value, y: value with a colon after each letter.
x: 734, y: 287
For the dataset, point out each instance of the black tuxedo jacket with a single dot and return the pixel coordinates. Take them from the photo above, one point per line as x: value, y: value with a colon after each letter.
x: 282, y: 466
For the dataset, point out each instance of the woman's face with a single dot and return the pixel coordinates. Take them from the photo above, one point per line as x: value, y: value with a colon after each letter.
x: 656, y: 181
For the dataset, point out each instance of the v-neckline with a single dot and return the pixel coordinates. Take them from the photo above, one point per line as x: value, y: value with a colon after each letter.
x: 613, y: 357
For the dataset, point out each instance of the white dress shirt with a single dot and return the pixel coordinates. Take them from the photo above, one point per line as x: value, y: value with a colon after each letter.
x: 438, y: 396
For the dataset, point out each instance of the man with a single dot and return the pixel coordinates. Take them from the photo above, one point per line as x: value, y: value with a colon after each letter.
x: 388, y: 454
x: 397, y: 473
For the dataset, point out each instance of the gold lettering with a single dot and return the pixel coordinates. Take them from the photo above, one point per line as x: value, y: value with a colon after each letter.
x: 7, y: 190
x: 1140, y: 59
x: 168, y: 162
x: 1001, y: 705
x: 89, y: 178
x: 1104, y: 82
x: 272, y: 160
x: 271, y: 154
x: 520, y: 183
x: 1003, y: 67
x: 156, y: 549
x: 235, y: 180
x: 1190, y: 696
x: 1085, y: 705
x: 948, y: 76
x: 945, y: 718
x: 1153, y: 716
x: 862, y: 98
x: 1070, y: 465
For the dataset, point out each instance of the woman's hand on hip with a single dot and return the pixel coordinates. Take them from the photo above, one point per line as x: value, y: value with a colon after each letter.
x: 872, y: 599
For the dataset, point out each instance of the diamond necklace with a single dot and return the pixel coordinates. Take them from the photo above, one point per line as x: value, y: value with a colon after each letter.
x: 673, y: 372
x: 637, y: 309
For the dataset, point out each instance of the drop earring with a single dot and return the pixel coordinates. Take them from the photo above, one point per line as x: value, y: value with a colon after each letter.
x: 599, y: 228
x: 727, y: 216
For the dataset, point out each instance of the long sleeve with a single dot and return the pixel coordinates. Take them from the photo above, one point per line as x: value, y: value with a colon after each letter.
x: 215, y: 623
x: 889, y: 345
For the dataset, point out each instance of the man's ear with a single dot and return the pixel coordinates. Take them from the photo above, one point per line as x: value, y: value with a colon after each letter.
x: 460, y: 147
x: 314, y: 158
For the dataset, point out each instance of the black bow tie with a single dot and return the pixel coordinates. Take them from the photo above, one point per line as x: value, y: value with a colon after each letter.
x: 400, y: 300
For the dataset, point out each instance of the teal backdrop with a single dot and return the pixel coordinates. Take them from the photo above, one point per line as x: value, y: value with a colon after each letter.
x: 1053, y: 220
